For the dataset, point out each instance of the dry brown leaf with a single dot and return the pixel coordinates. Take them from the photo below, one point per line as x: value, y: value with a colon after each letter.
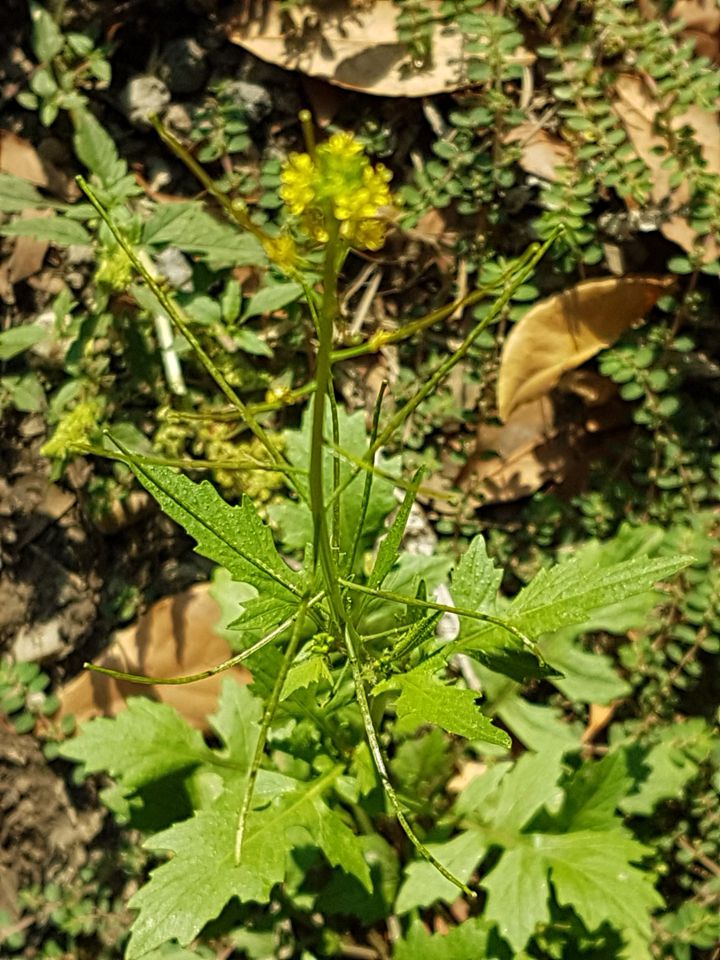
x: 599, y: 717
x: 352, y: 45
x: 514, y: 460
x: 176, y: 636
x: 637, y: 109
x: 28, y: 254
x: 542, y: 153
x: 20, y: 158
x: 563, y: 331
x: 702, y: 24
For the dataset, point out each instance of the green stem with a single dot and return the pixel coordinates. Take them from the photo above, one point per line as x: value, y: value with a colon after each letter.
x: 379, y: 761
x: 184, y: 463
x: 335, y: 473
x: 443, y: 607
x: 233, y: 209
x: 534, y: 253
x: 267, y: 718
x: 323, y: 384
x: 367, y: 487
x: 178, y: 319
x: 211, y: 671
x: 385, y: 338
x: 323, y: 552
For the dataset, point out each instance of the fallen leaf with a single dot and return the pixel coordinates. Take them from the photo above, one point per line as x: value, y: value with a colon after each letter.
x: 27, y: 257
x: 702, y: 24
x: 353, y: 45
x: 515, y: 459
x: 599, y: 717
x: 563, y: 331
x: 637, y: 109
x: 176, y: 636
x: 20, y: 158
x: 542, y: 153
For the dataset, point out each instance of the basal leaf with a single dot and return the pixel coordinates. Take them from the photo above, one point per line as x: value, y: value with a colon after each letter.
x: 541, y: 727
x: 144, y: 743
x: 237, y: 722
x: 193, y: 887
x: 471, y: 939
x: 424, y: 885
x: 663, y: 768
x: 343, y: 894
x: 587, y: 677
x: 518, y: 892
x: 583, y: 849
x: 593, y: 872
x: 426, y: 699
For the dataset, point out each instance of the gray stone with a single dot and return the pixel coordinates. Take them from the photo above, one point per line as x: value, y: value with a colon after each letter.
x: 254, y: 99
x: 174, y: 266
x: 78, y: 253
x: 38, y: 642
x: 177, y: 118
x: 142, y: 97
x: 183, y: 66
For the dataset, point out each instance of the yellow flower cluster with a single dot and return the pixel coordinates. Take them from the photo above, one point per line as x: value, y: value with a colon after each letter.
x: 338, y: 182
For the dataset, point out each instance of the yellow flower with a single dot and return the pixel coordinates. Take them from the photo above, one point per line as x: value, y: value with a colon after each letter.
x: 75, y: 429
x: 297, y: 182
x: 337, y: 184
x: 281, y: 250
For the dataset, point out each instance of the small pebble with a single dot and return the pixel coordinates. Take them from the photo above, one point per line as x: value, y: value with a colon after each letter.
x: 254, y: 99
x: 142, y: 97
x: 174, y: 266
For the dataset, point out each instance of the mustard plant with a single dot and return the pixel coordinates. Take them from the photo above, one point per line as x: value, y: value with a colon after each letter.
x: 343, y: 645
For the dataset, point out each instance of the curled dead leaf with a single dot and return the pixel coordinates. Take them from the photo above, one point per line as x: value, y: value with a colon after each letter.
x: 599, y: 717
x: 638, y: 108
x: 20, y: 158
x: 542, y: 153
x: 177, y: 636
x: 353, y: 45
x: 563, y: 331
x: 515, y: 459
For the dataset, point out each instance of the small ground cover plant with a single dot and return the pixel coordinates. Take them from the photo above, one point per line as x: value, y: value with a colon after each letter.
x: 347, y: 660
